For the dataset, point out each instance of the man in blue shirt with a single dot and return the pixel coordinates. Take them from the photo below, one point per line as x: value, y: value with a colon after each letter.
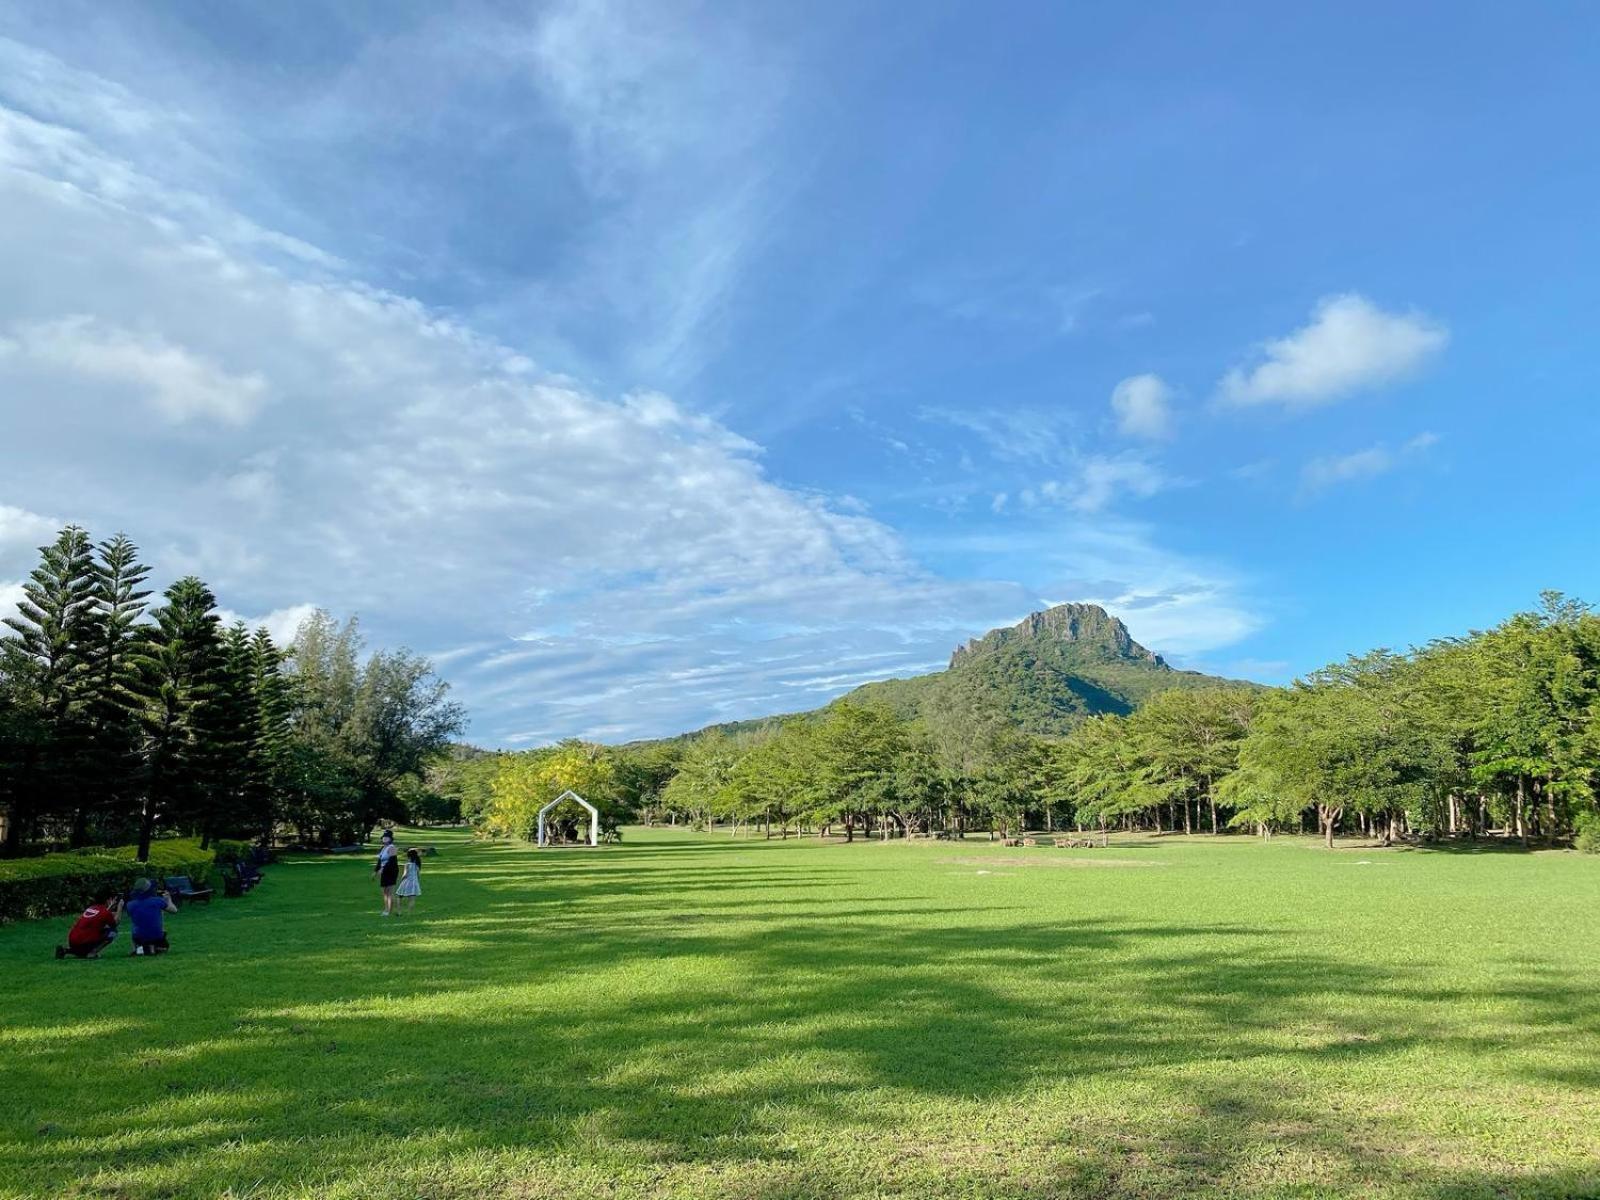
x: 146, y: 909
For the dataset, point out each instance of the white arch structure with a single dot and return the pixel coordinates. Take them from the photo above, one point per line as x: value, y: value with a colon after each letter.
x: 594, y: 817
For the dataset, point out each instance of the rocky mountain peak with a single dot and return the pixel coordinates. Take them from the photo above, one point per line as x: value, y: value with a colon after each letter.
x: 1089, y: 625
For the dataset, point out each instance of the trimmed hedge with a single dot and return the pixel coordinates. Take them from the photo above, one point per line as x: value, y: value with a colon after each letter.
x: 69, y: 882
x: 229, y: 851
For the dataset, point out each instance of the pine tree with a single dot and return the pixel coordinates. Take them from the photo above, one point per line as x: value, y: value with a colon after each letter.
x: 45, y: 660
x: 274, y: 705
x: 181, y: 675
x: 114, y: 662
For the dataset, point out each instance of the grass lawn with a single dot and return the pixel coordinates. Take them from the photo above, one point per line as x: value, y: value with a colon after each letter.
x: 696, y: 1016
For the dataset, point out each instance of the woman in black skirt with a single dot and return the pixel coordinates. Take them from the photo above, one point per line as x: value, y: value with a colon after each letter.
x: 387, y: 869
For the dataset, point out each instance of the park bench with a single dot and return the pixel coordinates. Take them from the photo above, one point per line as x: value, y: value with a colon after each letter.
x: 181, y: 888
x: 249, y: 874
x: 236, y: 881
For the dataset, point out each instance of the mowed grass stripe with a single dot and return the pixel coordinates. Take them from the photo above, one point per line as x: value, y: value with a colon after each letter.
x: 692, y: 1014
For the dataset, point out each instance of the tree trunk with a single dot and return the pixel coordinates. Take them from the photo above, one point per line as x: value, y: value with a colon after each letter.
x: 1213, y: 799
x: 1330, y: 820
x: 147, y: 828
x: 1187, y: 827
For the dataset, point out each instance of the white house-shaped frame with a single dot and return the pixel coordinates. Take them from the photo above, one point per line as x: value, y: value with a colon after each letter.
x: 594, y: 817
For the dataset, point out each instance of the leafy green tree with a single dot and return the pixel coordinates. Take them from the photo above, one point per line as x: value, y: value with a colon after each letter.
x: 1189, y: 739
x: 464, y: 775
x: 703, y: 773
x: 1540, y: 681
x: 852, y: 753
x: 361, y: 728
x: 525, y: 783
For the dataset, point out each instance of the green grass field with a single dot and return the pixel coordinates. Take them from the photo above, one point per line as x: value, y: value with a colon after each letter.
x: 696, y: 1016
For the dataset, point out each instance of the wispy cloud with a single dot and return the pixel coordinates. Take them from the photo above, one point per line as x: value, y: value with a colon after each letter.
x: 1349, y: 345
x: 414, y: 470
x: 1329, y: 471
x: 1142, y: 405
x: 1019, y: 435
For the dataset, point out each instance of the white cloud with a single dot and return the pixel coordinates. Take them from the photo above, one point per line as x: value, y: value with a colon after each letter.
x: 418, y: 473
x: 1142, y: 405
x: 281, y: 623
x: 1096, y: 481
x: 415, y: 470
x: 1331, y: 470
x: 1349, y: 345
x: 1324, y: 472
x: 10, y: 599
x: 24, y: 532
x: 176, y: 383
x: 1178, y: 606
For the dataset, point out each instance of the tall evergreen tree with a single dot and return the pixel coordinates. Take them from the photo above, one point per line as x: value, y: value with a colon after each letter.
x: 115, y: 669
x: 181, y: 675
x: 274, y: 704
x: 46, y: 661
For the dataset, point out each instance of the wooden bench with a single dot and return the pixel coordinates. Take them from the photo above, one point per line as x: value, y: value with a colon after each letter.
x: 181, y: 888
x: 237, y: 880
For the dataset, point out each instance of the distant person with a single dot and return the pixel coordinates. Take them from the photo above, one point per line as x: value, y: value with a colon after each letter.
x: 411, y: 881
x: 387, y: 869
x: 95, y: 929
x: 147, y: 909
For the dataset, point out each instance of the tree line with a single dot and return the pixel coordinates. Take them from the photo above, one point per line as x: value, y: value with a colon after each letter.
x: 1496, y: 733
x: 123, y: 717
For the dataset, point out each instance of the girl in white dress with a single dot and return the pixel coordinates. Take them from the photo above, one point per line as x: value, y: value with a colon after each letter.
x: 411, y: 882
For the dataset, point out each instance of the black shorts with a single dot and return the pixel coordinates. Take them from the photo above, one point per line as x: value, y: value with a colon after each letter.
x: 390, y: 873
x: 157, y: 944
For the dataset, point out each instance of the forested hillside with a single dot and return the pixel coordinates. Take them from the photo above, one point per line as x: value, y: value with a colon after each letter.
x: 1045, y: 675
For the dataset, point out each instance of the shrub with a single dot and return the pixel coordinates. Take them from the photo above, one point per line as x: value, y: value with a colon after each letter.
x: 173, y: 856
x: 1588, y: 839
x: 227, y: 850
x: 69, y: 882
x: 60, y: 883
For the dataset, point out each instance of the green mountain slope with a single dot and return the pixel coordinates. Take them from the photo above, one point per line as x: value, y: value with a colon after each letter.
x: 1045, y: 674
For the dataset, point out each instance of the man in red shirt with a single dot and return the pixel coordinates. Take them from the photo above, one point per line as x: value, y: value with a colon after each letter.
x: 95, y: 930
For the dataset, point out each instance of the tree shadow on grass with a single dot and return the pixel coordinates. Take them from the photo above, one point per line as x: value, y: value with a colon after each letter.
x: 773, y: 1046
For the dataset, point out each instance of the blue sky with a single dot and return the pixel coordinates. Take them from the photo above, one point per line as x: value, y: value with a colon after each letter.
x: 657, y: 364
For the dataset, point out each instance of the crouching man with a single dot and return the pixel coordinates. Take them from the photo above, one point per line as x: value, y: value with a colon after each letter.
x: 95, y: 929
x: 147, y: 909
